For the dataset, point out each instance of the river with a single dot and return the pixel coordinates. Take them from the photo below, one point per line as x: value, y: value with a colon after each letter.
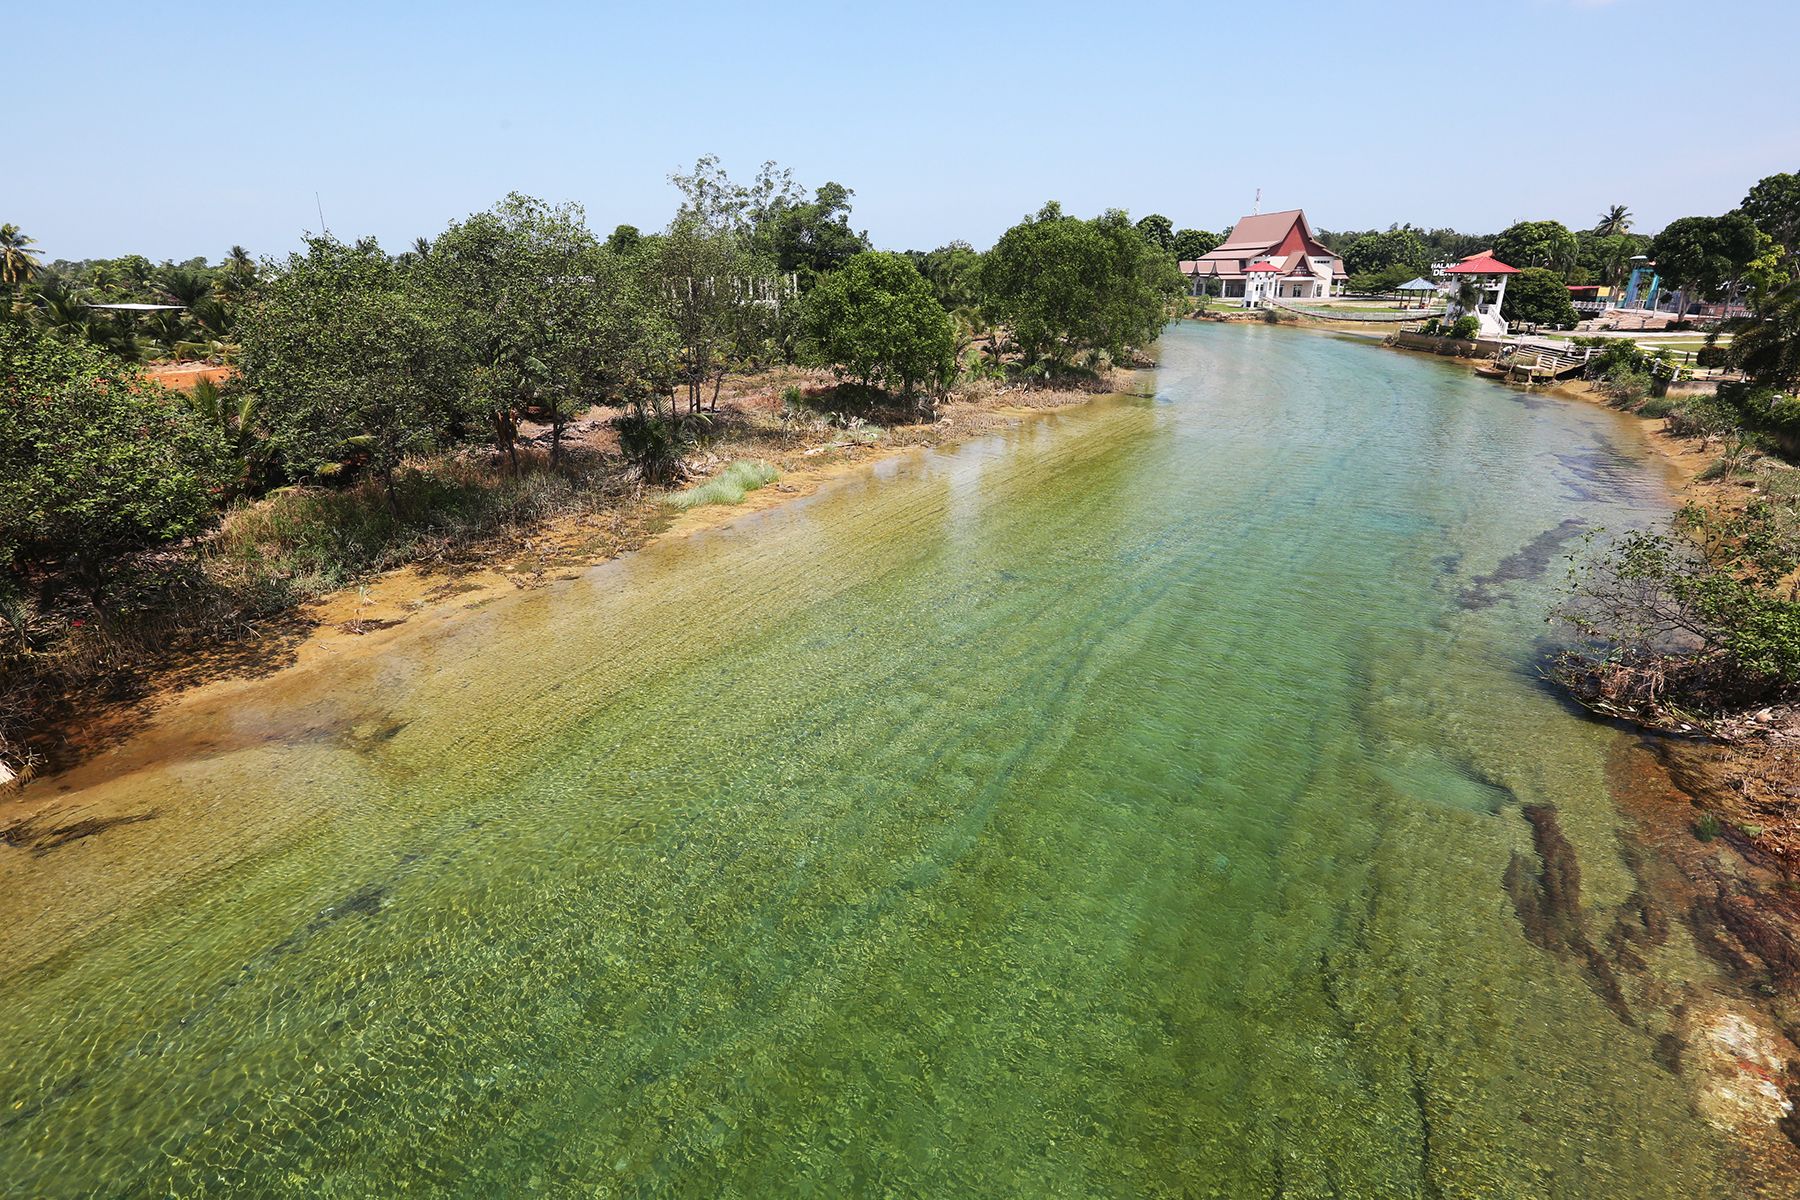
x: 1120, y: 805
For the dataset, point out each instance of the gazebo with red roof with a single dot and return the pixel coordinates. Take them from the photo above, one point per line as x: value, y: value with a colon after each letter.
x: 1489, y: 274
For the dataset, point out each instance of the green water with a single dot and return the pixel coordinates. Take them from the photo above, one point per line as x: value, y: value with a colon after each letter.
x: 1117, y: 806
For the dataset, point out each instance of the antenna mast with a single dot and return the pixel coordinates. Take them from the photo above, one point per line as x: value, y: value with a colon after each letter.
x: 321, y: 207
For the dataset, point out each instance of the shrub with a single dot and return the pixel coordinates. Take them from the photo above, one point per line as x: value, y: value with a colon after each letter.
x: 1627, y: 386
x: 729, y: 486
x: 1465, y: 328
x: 654, y: 445
x: 1656, y: 406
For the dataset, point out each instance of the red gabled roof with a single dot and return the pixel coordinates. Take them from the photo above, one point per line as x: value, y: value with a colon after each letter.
x: 1262, y: 266
x: 1483, y: 263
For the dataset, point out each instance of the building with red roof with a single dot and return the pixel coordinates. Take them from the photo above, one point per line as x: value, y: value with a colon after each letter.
x: 1268, y: 256
x: 1489, y: 275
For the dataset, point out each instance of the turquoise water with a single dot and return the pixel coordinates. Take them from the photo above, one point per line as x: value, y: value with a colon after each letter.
x: 1117, y: 806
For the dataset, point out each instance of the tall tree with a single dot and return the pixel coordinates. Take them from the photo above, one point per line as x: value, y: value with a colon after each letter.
x: 1766, y: 347
x: 17, y: 262
x: 1547, y: 244
x: 877, y: 321
x: 1538, y: 294
x: 1702, y: 256
x: 1064, y: 285
x: 1614, y: 221
x: 806, y: 238
x: 1399, y: 247
x: 1195, y: 243
x: 351, y: 363
x: 1774, y: 204
x: 95, y: 461
x: 1158, y: 230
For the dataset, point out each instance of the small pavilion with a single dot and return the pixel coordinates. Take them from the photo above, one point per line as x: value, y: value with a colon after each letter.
x: 1421, y: 290
x: 1490, y: 275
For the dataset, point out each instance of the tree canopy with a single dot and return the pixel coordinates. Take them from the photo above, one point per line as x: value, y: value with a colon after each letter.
x: 1396, y: 251
x: 1196, y: 243
x: 878, y: 321
x: 1158, y: 230
x: 1774, y: 205
x: 1063, y: 284
x: 1539, y: 295
x: 1701, y: 255
x: 1537, y: 244
x: 94, y: 459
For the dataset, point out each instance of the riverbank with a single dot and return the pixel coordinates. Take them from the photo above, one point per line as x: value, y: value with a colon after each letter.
x: 1174, y: 754
x: 76, y: 725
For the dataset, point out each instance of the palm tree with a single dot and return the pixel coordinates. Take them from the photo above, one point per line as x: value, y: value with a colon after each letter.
x: 17, y: 263
x: 240, y: 262
x: 1614, y: 221
x: 1766, y: 347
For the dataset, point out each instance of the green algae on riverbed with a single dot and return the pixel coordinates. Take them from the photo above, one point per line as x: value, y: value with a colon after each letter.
x: 1121, y: 805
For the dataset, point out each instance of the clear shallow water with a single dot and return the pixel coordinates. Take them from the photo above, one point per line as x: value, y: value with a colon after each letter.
x: 1116, y: 807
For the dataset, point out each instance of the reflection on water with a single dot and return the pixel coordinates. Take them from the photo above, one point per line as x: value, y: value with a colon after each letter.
x: 1132, y: 804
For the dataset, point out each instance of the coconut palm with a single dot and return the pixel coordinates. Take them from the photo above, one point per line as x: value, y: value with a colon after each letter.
x: 240, y: 262
x: 186, y: 286
x: 17, y: 263
x: 1614, y: 221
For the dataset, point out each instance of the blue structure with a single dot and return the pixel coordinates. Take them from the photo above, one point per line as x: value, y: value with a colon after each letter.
x: 1639, y: 266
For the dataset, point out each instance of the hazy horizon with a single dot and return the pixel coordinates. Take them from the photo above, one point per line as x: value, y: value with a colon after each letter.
x: 198, y: 135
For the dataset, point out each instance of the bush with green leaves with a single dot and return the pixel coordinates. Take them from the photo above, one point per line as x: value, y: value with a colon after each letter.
x: 353, y: 363
x: 95, y: 461
x: 1539, y: 296
x: 1466, y: 327
x: 1697, y: 615
x: 1064, y: 285
x: 877, y: 321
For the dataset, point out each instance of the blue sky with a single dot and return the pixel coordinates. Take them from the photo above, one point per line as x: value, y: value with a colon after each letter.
x: 174, y: 130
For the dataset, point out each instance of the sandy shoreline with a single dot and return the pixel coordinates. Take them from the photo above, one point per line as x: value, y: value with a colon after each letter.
x: 359, y: 623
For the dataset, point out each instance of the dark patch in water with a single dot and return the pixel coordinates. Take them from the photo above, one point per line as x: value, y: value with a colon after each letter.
x: 367, y: 900
x: 27, y: 836
x: 1500, y: 795
x: 1548, y: 902
x: 1448, y: 564
x: 1595, y: 472
x: 1528, y: 562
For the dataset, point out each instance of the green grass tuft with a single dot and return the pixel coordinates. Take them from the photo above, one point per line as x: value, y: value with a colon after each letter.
x: 729, y: 486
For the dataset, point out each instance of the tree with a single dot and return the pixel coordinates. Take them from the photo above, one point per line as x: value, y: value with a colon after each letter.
x: 1546, y: 244
x: 1380, y: 252
x: 1538, y: 295
x: 17, y: 262
x: 351, y: 363
x: 1607, y: 257
x: 877, y: 321
x: 1614, y: 221
x: 543, y: 310
x: 1195, y: 243
x: 1064, y: 285
x: 1703, y: 255
x: 624, y: 239
x: 806, y: 238
x: 1766, y: 347
x: 95, y: 461
x: 953, y: 272
x: 1158, y: 230
x: 1774, y: 204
